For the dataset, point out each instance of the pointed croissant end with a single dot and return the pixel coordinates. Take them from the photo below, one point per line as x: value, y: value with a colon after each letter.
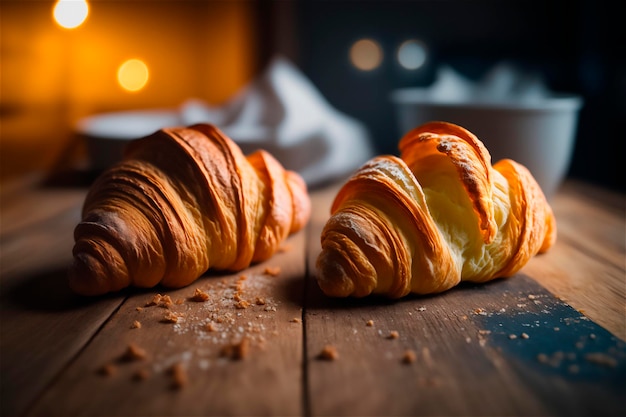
x: 97, y: 269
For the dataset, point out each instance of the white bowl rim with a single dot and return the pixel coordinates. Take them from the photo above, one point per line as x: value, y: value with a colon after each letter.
x: 126, y: 125
x: 424, y: 97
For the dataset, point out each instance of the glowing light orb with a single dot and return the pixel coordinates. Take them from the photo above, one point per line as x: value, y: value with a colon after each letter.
x: 366, y: 54
x: 412, y: 54
x: 133, y: 75
x: 70, y: 13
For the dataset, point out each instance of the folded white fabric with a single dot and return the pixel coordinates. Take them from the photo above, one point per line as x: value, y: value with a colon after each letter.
x: 285, y: 114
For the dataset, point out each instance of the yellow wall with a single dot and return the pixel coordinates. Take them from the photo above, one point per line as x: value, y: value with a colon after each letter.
x: 51, y: 77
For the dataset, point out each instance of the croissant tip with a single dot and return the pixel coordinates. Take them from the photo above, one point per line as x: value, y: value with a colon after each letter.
x: 86, y: 276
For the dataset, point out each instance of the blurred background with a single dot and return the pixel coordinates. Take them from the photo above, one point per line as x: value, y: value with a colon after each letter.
x: 52, y: 76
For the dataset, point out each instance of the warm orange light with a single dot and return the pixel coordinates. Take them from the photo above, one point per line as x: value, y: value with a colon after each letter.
x: 70, y: 13
x: 133, y: 75
x: 366, y: 54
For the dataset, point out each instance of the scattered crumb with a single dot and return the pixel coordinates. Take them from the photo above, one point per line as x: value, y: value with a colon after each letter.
x: 480, y: 311
x: 141, y: 375
x: 531, y: 296
x: 180, y: 301
x: 210, y: 327
x: 133, y: 353
x: 329, y: 353
x: 136, y: 325
x: 155, y: 300
x: 393, y: 334
x: 602, y: 359
x: 241, y: 304
x: 512, y: 336
x: 525, y: 336
x: 556, y: 329
x: 592, y: 336
x: 272, y: 271
x: 296, y: 320
x: 199, y: 296
x: 237, y: 351
x: 260, y: 301
x: 164, y: 301
x: 179, y: 376
x: 139, y: 309
x: 409, y: 356
x: 171, y: 317
x: 421, y: 308
x: 107, y: 370
x: 369, y: 323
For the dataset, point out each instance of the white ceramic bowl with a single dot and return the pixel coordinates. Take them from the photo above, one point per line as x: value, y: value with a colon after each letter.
x: 538, y: 133
x: 107, y: 134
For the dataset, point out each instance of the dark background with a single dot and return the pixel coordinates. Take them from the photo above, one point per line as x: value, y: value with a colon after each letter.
x: 577, y: 46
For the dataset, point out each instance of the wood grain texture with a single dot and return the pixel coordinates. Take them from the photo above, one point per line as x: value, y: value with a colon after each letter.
x: 262, y: 308
x: 471, y: 355
x: 43, y: 326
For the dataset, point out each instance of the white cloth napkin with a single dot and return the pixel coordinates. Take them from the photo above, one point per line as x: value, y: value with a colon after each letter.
x: 285, y: 114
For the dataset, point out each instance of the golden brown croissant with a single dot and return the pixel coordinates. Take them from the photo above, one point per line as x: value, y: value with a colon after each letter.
x: 439, y: 215
x: 182, y: 201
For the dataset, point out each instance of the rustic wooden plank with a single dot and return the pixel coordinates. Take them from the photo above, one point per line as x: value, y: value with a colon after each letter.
x: 467, y: 362
x: 507, y: 347
x: 43, y: 326
x: 586, y: 266
x: 267, y: 381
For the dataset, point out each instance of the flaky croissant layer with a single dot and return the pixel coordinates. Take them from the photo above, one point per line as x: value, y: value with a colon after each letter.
x: 438, y: 215
x: 183, y: 200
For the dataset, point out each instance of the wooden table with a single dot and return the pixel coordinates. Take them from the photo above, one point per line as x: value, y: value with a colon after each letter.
x: 548, y: 341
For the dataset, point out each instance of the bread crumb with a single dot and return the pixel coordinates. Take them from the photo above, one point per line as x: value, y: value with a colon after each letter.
x: 512, y: 336
x: 480, y: 311
x: 179, y: 376
x: 180, y: 301
x: 136, y: 325
x: 295, y: 320
x: 237, y: 351
x: 525, y: 336
x: 107, y: 370
x: 133, y: 353
x: 199, y: 295
x: 260, y: 301
x: 369, y: 323
x: 164, y: 301
x: 602, y: 359
x: 141, y: 375
x: 210, y: 327
x: 171, y: 317
x: 409, y: 356
x: 242, y: 304
x: 139, y: 309
x: 243, y: 277
x: 393, y: 335
x: 329, y: 353
x: 155, y: 300
x: 272, y: 271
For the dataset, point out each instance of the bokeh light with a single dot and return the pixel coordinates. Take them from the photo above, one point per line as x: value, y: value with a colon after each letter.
x: 412, y: 54
x: 133, y: 75
x: 70, y: 13
x: 366, y: 54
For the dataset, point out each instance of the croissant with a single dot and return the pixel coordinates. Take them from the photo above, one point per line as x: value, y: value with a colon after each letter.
x: 182, y: 201
x: 438, y: 215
